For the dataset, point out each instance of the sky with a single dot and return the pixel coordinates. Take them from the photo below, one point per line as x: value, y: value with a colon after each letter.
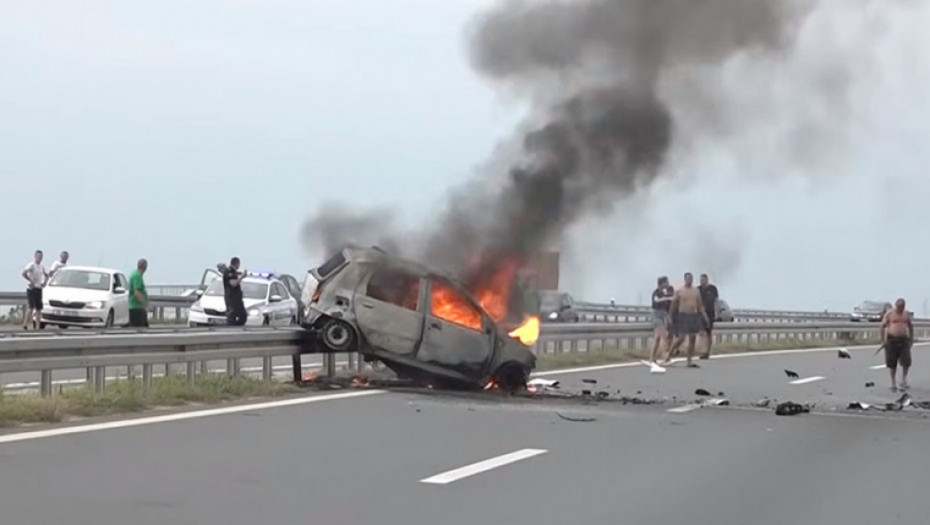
x: 190, y: 131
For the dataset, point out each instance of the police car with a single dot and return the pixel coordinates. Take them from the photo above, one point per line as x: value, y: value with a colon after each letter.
x: 267, y: 301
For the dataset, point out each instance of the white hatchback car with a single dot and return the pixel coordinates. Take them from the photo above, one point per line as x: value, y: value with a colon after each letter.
x: 86, y: 296
x: 266, y: 299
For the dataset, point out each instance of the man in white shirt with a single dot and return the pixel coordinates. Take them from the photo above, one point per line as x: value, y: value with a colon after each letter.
x: 36, y: 277
x: 58, y: 265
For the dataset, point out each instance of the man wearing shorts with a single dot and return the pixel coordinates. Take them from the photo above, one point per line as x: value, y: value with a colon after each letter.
x: 898, y: 336
x: 36, y: 277
x: 688, y: 318
x: 709, y: 296
x: 661, y: 320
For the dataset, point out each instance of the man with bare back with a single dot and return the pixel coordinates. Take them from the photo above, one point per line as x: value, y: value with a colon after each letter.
x: 688, y: 318
x: 898, y: 336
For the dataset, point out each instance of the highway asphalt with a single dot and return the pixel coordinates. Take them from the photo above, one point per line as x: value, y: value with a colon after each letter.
x: 398, y: 457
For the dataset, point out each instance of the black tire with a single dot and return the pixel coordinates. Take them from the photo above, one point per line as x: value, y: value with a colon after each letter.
x: 337, y: 335
x: 62, y: 327
x: 42, y: 326
x: 511, y: 376
x: 109, y: 321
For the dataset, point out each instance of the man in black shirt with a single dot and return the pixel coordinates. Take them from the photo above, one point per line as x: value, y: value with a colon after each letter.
x: 232, y: 292
x: 661, y: 321
x: 709, y: 298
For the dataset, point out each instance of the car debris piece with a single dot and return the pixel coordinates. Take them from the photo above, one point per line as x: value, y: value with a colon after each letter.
x: 844, y: 354
x: 790, y: 408
x: 576, y: 419
x: 721, y: 394
x: 701, y: 392
x: 586, y: 392
x: 858, y: 405
x: 869, y: 384
x: 545, y: 383
x: 603, y: 395
x: 791, y: 373
x: 762, y: 403
x: 589, y: 381
x: 717, y: 402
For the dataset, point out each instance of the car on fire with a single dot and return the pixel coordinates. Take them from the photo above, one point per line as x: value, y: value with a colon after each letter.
x: 415, y: 320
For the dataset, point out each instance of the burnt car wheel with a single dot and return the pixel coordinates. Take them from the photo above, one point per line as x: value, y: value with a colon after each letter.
x: 511, y: 376
x: 337, y: 335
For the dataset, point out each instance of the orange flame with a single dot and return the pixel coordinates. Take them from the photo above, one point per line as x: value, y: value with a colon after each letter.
x: 528, y: 332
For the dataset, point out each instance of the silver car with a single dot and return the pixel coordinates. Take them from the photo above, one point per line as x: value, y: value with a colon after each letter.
x: 417, y: 321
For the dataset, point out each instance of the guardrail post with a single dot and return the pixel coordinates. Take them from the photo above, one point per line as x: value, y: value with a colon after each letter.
x: 90, y: 376
x: 360, y: 363
x: 351, y: 361
x: 296, y: 368
x: 230, y: 367
x: 147, y: 376
x: 46, y: 383
x: 100, y: 379
x: 191, y: 372
x: 167, y: 369
x: 266, y: 368
x: 203, y: 368
x: 330, y: 361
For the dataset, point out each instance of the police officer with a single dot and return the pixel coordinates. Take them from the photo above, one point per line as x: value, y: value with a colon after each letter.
x: 232, y: 292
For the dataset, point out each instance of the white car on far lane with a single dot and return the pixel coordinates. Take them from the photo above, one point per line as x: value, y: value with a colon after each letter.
x: 266, y: 299
x: 86, y: 296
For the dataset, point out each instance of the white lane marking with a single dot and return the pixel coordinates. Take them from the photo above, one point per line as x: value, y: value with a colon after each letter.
x: 877, y: 367
x: 683, y: 409
x: 482, y: 466
x: 80, y: 429
x: 597, y: 368
x: 805, y: 380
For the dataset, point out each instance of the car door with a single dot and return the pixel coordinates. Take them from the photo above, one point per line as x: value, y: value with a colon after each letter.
x: 120, y: 294
x: 277, y: 303
x: 209, y: 275
x: 458, y: 334
x: 293, y: 288
x: 388, y: 310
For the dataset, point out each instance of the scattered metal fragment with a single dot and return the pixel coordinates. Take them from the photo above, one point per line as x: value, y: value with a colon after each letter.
x: 603, y: 395
x: 639, y: 392
x: 545, y: 383
x: 858, y: 405
x: 717, y: 402
x: 791, y: 373
x: 586, y: 392
x: 844, y: 354
x: 790, y: 408
x: 869, y: 384
x: 762, y: 403
x: 721, y: 394
x: 589, y: 381
x: 576, y: 419
x: 701, y: 392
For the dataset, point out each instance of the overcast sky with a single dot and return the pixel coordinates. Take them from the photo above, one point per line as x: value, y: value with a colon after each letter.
x: 189, y: 131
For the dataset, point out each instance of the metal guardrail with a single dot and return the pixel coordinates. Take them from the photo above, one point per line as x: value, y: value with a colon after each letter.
x: 158, y: 304
x: 127, y: 348
x: 595, y: 312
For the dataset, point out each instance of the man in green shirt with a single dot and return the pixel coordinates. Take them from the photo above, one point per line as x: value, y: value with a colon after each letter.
x: 138, y: 297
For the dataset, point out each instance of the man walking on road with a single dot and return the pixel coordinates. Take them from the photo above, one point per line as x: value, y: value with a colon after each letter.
x: 232, y: 292
x: 688, y: 317
x: 709, y: 296
x: 898, y: 337
x: 58, y: 265
x: 661, y: 320
x: 36, y: 277
x: 138, y: 297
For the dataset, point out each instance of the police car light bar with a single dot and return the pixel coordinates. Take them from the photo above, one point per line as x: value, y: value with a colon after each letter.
x: 261, y: 274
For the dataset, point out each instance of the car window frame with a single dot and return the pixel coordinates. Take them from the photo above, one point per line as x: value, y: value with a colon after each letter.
x: 485, y: 318
x: 403, y: 271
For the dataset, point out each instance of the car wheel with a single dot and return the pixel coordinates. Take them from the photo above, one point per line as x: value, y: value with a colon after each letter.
x: 62, y: 327
x: 337, y: 335
x: 109, y: 321
x: 511, y: 376
x: 42, y: 326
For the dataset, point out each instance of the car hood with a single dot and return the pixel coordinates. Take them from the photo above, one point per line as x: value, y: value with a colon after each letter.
x: 64, y: 293
x: 215, y: 302
x: 513, y: 350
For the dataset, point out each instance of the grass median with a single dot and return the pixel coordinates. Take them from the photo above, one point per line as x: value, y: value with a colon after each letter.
x: 123, y: 397
x: 623, y: 355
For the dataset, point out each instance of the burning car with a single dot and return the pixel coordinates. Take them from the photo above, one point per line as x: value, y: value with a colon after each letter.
x: 416, y: 320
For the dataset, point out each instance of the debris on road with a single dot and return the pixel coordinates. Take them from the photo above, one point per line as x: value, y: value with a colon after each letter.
x: 869, y: 384
x: 589, y: 381
x: 576, y: 419
x: 603, y: 395
x: 701, y: 392
x: 792, y: 374
x: 858, y: 405
x: 762, y: 403
x: 790, y: 408
x: 721, y: 394
x: 545, y: 383
x: 844, y: 354
x: 717, y: 402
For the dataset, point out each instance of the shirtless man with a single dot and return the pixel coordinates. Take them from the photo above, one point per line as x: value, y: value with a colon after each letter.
x: 898, y: 336
x: 688, y: 318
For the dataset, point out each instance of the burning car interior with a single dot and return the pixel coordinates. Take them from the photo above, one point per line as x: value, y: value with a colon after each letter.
x: 420, y: 322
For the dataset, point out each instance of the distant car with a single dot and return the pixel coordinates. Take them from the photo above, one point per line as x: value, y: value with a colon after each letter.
x: 724, y: 314
x: 557, y: 307
x: 870, y: 311
x: 86, y: 296
x: 267, y: 301
x: 416, y: 320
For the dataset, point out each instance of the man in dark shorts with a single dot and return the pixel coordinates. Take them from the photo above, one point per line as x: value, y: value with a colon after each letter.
x: 138, y: 296
x: 898, y: 337
x: 661, y: 320
x: 688, y: 318
x: 709, y: 296
x: 37, y: 278
x: 232, y: 292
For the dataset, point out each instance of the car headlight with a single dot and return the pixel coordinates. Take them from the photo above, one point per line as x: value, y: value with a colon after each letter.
x: 197, y: 308
x: 554, y: 315
x: 255, y: 312
x: 94, y: 305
